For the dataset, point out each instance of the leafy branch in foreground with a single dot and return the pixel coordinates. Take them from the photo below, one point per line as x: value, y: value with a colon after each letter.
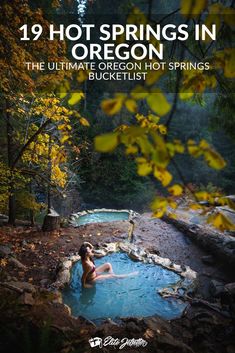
x: 148, y: 141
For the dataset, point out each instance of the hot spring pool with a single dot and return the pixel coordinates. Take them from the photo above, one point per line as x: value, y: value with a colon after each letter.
x: 131, y: 296
x: 102, y: 216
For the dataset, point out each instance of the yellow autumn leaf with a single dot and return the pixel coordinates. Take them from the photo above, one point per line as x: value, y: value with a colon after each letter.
x: 62, y: 94
x: 61, y: 127
x: 131, y: 150
x: 162, y: 129
x: 106, y: 142
x: 75, y: 98
x: 155, y: 119
x: 84, y: 122
x: 112, y: 106
x: 175, y: 190
x: 195, y: 206
x: 139, y: 92
x: 55, y: 3
x: 64, y: 138
x: 179, y: 148
x: 221, y: 222
x: 185, y: 94
x: 144, y: 168
x: 160, y: 213
x: 153, y: 76
x: 82, y: 76
x: 172, y: 204
x: 230, y: 203
x: 214, y: 159
x: 192, y: 8
x: 172, y: 215
x: 163, y: 175
x: 158, y: 102
x: 202, y: 195
x: 193, y: 149
x: 159, y: 206
x: 131, y: 105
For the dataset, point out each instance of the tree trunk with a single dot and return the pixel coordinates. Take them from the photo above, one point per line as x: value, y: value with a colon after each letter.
x: 51, y: 221
x: 11, y: 208
x: 10, y: 156
x: 49, y: 176
x: 31, y: 212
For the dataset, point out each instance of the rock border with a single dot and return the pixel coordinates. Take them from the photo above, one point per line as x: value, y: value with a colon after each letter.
x: 75, y: 216
x: 188, y: 276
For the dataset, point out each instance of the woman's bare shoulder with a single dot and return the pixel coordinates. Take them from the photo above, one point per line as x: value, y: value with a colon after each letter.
x: 86, y: 266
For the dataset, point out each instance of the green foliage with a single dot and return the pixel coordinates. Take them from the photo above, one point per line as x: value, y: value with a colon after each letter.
x: 111, y: 181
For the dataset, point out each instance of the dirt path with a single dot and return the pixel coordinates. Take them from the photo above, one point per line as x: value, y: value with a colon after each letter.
x: 170, y: 242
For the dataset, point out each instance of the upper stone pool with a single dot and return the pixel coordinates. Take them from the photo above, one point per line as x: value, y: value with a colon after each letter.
x: 98, y: 216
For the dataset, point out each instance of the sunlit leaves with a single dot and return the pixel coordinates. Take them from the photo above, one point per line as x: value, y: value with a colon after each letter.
x: 14, y: 14
x: 106, y: 142
x: 112, y: 106
x: 176, y: 146
x: 163, y: 175
x: 202, y: 195
x: 143, y: 166
x: 213, y: 158
x: 131, y: 149
x: 75, y: 98
x: 84, y: 122
x: 196, y: 81
x: 131, y: 105
x: 139, y: 92
x: 175, y: 190
x: 58, y: 175
x: 159, y: 206
x: 220, y: 221
x: 184, y: 95
x: 192, y: 8
x: 153, y: 76
x: 155, y: 99
x: 158, y: 102
x: 146, y: 142
x: 162, y: 129
x: 82, y: 76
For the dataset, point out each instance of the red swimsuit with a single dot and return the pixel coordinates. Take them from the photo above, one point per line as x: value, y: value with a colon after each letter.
x: 92, y: 270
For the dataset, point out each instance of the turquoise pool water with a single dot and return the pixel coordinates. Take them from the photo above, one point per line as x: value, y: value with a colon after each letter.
x: 131, y: 296
x: 98, y: 217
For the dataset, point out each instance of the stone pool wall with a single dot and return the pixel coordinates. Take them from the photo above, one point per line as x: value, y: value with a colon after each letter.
x: 75, y: 216
x: 136, y: 254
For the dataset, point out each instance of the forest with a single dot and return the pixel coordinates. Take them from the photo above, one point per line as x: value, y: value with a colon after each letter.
x: 32, y: 136
x: 151, y: 144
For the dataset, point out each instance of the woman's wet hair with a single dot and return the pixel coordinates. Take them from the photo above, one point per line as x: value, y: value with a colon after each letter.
x: 83, y: 251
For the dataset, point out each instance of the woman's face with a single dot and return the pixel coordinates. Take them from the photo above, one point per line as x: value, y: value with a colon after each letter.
x: 89, y: 251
